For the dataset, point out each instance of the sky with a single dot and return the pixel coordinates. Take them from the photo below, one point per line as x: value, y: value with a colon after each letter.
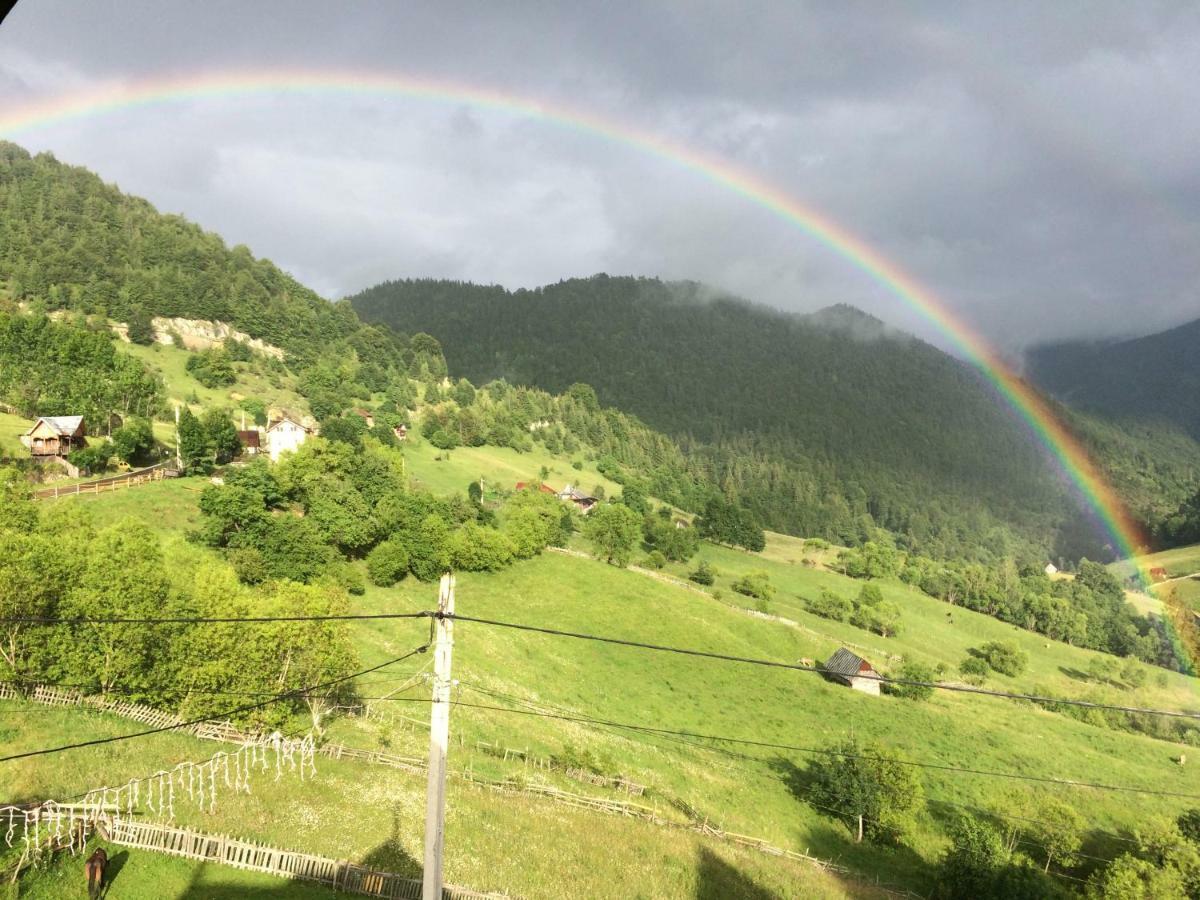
x: 1031, y: 164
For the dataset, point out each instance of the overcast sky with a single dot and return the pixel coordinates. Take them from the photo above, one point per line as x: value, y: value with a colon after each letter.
x: 1036, y: 165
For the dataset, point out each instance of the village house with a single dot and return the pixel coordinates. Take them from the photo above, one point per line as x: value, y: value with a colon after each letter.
x: 1157, y: 574
x: 367, y: 416
x: 1051, y: 569
x: 284, y: 435
x: 582, y: 501
x: 849, y: 669
x: 401, y: 432
x: 53, y: 437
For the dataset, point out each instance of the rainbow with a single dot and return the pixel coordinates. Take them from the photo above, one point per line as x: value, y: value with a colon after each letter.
x: 1125, y: 534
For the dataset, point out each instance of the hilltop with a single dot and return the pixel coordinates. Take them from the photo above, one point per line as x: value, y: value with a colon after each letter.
x: 1150, y: 379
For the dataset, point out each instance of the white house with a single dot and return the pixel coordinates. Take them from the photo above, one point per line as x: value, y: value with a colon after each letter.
x: 285, y: 435
x: 1051, y: 569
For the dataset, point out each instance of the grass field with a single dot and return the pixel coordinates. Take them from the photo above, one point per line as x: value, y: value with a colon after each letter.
x: 500, y: 467
x: 530, y: 847
x: 171, y: 363
x: 11, y: 427
x: 1178, y: 562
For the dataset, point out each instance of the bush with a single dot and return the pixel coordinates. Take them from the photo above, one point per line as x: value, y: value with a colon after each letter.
x: 656, y: 560
x: 248, y: 564
x: 387, y: 563
x: 974, y: 670
x: 911, y: 671
x: 133, y: 440
x: 1005, y: 657
x: 830, y: 606
x: 755, y: 584
x: 873, y: 613
x: 92, y: 459
x: 703, y: 574
x: 480, y: 548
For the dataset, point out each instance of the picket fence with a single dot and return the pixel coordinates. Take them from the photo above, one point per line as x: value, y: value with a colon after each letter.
x: 340, y: 874
x: 227, y: 732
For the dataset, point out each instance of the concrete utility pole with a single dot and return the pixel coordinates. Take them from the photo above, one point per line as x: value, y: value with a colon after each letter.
x: 178, y: 450
x: 439, y: 739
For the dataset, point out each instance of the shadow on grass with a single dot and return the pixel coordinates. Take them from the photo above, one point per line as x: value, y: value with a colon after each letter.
x: 390, y: 856
x: 718, y: 880
x: 116, y: 863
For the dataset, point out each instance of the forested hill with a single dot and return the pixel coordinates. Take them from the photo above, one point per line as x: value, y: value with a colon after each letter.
x: 1150, y: 378
x: 823, y: 424
x: 74, y: 242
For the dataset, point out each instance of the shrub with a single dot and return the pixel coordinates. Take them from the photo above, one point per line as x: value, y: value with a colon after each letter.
x: 387, y: 563
x: 1005, y: 657
x: 703, y: 574
x: 870, y: 782
x: 248, y: 564
x: 480, y: 548
x: 755, y: 584
x: 830, y: 606
x: 974, y: 670
x: 873, y: 613
x: 656, y: 560
x: 93, y: 458
x: 911, y: 671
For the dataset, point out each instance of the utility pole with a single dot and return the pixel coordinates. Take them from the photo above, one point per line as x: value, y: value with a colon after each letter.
x: 439, y: 739
x: 178, y: 450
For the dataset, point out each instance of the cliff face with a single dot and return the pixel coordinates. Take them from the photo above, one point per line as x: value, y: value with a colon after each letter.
x: 199, y: 334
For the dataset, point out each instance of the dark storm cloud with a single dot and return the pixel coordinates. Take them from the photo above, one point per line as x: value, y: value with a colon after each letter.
x: 1032, y: 163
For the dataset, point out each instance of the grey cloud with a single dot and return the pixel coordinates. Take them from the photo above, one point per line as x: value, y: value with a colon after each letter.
x: 1033, y: 164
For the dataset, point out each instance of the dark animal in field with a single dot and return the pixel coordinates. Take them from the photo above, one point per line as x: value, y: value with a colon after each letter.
x: 94, y: 867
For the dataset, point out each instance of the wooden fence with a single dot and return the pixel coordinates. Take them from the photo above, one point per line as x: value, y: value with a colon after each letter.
x: 226, y: 732
x: 156, y: 472
x: 241, y: 854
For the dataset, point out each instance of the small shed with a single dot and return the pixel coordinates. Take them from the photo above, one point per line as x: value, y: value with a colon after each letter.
x: 250, y: 440
x: 367, y: 416
x: 53, y: 436
x: 849, y: 669
x: 1051, y: 569
x: 1157, y: 574
x: 401, y: 432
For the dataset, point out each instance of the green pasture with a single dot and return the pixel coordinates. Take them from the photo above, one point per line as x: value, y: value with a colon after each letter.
x: 11, y: 427
x: 447, y: 471
x: 171, y: 364
x: 1178, y: 561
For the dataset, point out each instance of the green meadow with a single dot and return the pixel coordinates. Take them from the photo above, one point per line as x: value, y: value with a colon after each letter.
x: 523, y: 844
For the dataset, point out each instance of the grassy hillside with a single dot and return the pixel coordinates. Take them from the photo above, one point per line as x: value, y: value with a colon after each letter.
x: 170, y: 363
x: 819, y: 423
x: 756, y: 796
x: 11, y: 427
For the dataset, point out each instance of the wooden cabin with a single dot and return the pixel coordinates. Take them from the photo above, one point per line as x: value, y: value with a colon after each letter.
x: 849, y: 669
x: 55, y: 436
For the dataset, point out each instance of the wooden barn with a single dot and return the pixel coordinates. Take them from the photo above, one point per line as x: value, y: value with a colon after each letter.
x: 55, y: 436
x: 1157, y: 574
x: 849, y: 669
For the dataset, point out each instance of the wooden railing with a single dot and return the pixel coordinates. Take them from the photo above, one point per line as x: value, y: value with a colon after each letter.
x: 340, y: 874
x: 156, y: 472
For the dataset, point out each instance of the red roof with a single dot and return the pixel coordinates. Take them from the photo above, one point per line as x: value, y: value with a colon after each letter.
x: 248, y: 438
x: 544, y: 488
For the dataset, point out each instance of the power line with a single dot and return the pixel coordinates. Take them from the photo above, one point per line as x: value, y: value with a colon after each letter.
x: 215, y: 716
x: 776, y: 664
x: 943, y: 767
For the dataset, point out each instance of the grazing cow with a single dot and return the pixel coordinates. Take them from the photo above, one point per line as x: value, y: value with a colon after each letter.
x: 94, y: 867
